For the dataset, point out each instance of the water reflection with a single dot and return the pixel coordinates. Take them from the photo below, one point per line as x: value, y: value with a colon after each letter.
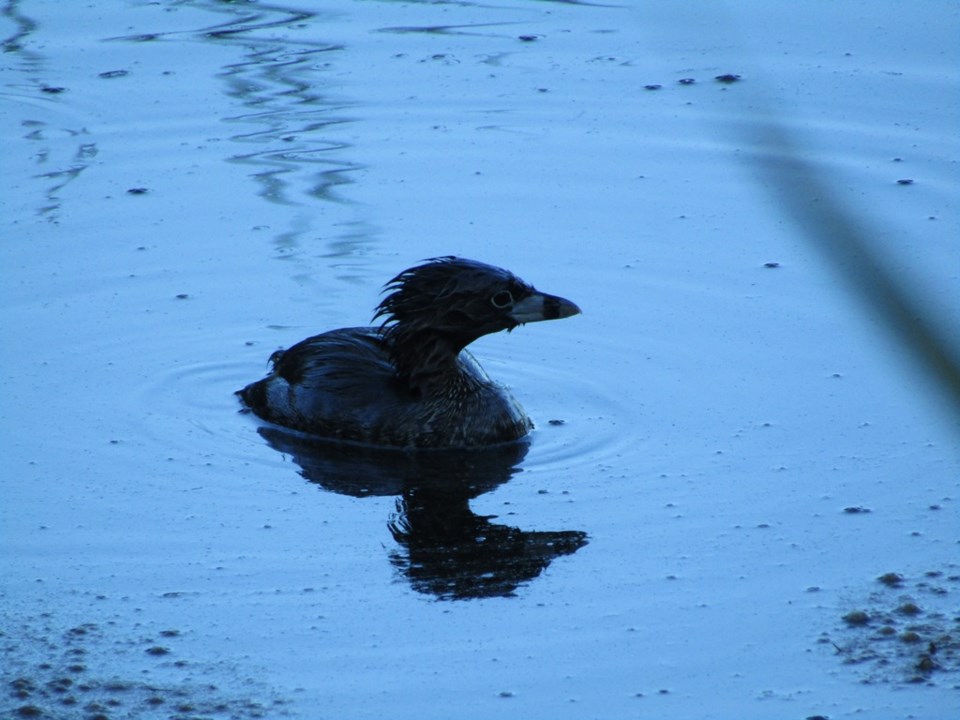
x: 59, y: 153
x: 444, y: 548
x: 23, y: 26
x: 290, y: 120
x: 279, y: 83
x: 287, y: 124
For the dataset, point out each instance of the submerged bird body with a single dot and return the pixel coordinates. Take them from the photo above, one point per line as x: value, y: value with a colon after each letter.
x: 343, y: 385
x: 409, y: 382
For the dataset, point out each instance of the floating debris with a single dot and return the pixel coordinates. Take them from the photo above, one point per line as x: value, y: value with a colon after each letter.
x: 894, y: 638
x: 856, y: 618
x: 853, y: 509
x: 891, y: 579
x: 44, y: 682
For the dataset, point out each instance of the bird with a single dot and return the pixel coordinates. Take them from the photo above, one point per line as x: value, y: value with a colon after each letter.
x: 409, y: 382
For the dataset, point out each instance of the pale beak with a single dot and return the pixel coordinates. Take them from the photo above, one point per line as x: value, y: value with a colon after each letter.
x: 541, y: 306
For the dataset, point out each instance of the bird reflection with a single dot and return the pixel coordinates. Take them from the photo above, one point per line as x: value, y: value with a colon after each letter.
x: 444, y: 548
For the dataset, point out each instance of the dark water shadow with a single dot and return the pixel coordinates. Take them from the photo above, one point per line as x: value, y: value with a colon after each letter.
x: 444, y: 549
x: 914, y: 319
x: 469, y: 29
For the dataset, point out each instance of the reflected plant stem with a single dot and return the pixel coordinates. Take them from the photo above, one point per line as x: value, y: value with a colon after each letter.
x: 844, y: 240
x: 23, y: 28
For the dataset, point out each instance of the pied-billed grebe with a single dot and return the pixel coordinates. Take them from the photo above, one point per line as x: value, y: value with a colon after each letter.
x: 409, y: 382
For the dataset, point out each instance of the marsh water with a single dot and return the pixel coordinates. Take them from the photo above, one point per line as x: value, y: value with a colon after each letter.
x: 730, y: 447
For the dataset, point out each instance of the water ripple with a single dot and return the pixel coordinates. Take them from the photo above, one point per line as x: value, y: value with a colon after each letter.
x: 575, y: 415
x: 192, y: 408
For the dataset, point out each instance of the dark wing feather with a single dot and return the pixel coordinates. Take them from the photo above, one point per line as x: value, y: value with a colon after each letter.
x: 334, y: 384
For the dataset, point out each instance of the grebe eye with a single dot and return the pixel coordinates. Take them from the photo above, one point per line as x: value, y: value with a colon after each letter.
x: 502, y: 299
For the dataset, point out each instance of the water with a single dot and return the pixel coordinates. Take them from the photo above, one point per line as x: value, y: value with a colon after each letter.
x: 192, y: 185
